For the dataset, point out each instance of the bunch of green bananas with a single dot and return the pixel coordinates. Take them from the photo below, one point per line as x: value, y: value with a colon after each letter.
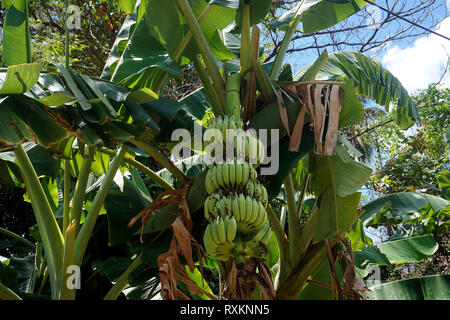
x: 219, y: 236
x: 249, y: 147
x: 236, y: 206
x: 250, y: 213
x: 229, y: 176
x: 226, y: 123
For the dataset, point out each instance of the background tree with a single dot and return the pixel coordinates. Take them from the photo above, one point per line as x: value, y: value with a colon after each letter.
x: 89, y: 45
x: 406, y: 161
x: 369, y: 30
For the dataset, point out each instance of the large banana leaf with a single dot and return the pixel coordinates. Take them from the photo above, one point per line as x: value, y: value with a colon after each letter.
x: 335, y: 184
x: 123, y: 202
x: 394, y: 252
x: 19, y: 78
x: 172, y: 30
x: 119, y: 44
x: 444, y: 183
x: 258, y: 9
x: 372, y: 81
x: 435, y: 287
x: 43, y: 161
x: 127, y: 6
x: 16, y: 33
x: 317, y: 15
x: 143, y: 61
x: 400, y: 207
x: 99, y: 112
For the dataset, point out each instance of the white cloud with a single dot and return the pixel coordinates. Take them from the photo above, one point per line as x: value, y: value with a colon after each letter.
x: 423, y: 62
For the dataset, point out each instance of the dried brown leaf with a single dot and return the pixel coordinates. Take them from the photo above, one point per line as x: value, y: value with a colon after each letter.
x: 296, y: 138
x: 335, y: 103
x: 183, y: 238
x: 283, y: 112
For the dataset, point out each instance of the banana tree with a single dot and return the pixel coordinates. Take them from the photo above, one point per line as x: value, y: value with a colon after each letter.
x: 124, y: 117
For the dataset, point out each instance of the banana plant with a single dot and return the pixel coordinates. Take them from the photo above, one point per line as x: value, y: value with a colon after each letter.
x: 123, y: 116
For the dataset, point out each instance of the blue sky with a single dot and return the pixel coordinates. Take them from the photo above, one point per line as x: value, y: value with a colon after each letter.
x: 417, y: 62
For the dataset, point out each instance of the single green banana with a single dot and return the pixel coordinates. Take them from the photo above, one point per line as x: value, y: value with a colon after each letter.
x: 239, y: 174
x: 245, y: 173
x: 219, y: 174
x: 266, y: 238
x: 255, y: 211
x: 253, y: 149
x: 206, y: 210
x: 215, y: 232
x: 214, y: 177
x: 232, y: 172
x: 231, y: 129
x: 226, y: 174
x: 231, y: 229
x: 235, y: 204
x: 265, y: 197
x: 210, y: 244
x: 261, y: 216
x: 224, y: 127
x: 247, y: 147
x: 209, y: 183
x: 248, y: 209
x: 253, y: 173
x: 221, y: 230
x: 239, y: 146
x: 250, y: 188
x: 241, y: 201
x: 261, y: 152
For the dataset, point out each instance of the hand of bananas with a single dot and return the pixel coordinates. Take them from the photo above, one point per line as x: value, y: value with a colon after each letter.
x: 236, y: 206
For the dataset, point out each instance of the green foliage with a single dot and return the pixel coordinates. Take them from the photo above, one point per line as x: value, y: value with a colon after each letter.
x: 411, y: 160
x: 82, y: 121
x: 424, y: 288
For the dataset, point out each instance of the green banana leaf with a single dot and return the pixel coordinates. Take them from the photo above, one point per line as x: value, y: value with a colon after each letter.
x: 19, y: 78
x: 127, y: 6
x: 436, y: 287
x: 122, y: 203
x: 335, y: 184
x: 16, y: 33
x: 119, y: 44
x: 400, y: 207
x: 444, y: 183
x: 317, y: 15
x: 171, y: 29
x: 394, y: 252
x: 373, y: 81
x: 258, y: 9
x: 143, y: 60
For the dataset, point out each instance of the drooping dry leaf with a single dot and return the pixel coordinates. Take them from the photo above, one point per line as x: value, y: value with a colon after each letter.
x: 170, y: 266
x: 319, y: 118
x: 296, y: 138
x: 230, y: 286
x: 183, y: 238
x: 335, y: 283
x: 264, y: 282
x: 354, y: 285
x: 166, y: 273
x: 333, y: 121
x: 283, y: 112
x: 318, y: 100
